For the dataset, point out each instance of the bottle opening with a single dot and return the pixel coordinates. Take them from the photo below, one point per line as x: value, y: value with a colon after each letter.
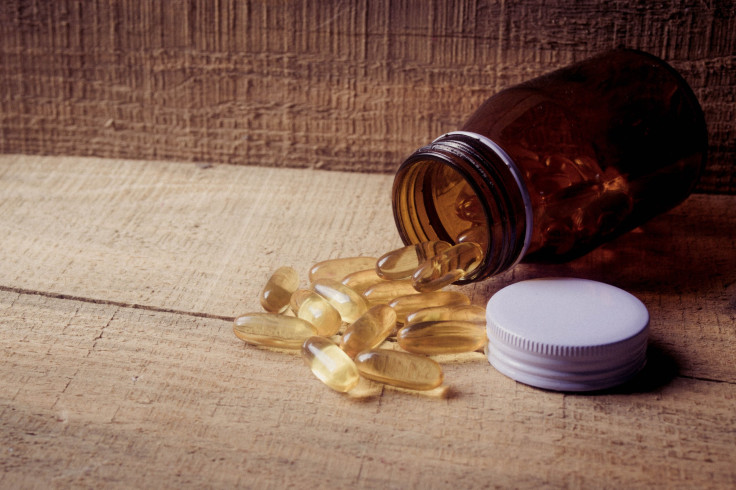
x: 459, y: 190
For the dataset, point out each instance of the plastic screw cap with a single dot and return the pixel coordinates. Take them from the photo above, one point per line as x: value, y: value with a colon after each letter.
x: 567, y: 334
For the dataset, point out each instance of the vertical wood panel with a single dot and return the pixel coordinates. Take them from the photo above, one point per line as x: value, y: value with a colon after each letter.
x: 340, y: 85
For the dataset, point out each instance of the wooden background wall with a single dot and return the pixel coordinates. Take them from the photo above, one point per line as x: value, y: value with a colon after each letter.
x: 314, y: 83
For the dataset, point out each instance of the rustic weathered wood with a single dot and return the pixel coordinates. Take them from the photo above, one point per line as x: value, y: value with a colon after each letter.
x: 314, y: 83
x: 98, y: 395
x: 118, y: 366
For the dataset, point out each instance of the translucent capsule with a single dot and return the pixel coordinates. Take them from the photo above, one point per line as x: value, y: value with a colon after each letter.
x: 399, y: 369
x: 369, y: 330
x: 413, y: 302
x: 465, y: 313
x: 320, y: 313
x: 347, y: 302
x: 447, y: 267
x: 297, y: 298
x: 385, y: 292
x: 273, y: 330
x: 278, y: 289
x: 361, y: 280
x: 330, y: 364
x: 476, y: 234
x: 337, y: 269
x: 402, y: 262
x: 469, y: 207
x: 445, y: 337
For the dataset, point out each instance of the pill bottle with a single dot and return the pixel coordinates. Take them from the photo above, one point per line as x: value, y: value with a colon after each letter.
x: 549, y: 169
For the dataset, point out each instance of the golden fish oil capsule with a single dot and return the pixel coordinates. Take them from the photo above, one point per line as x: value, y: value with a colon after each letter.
x: 320, y: 313
x: 276, y: 293
x: 447, y: 267
x: 369, y: 330
x: 465, y: 313
x: 297, y: 298
x: 385, y: 292
x: 337, y: 269
x: 476, y: 234
x: 347, y: 302
x: 413, y: 302
x: 330, y: 364
x: 468, y: 207
x: 445, y: 337
x: 399, y: 369
x: 402, y: 262
x: 273, y: 330
x: 361, y: 280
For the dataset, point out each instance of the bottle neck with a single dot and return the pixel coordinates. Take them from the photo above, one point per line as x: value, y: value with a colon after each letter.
x: 464, y: 187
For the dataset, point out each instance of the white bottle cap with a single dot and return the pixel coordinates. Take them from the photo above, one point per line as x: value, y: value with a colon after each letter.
x: 567, y: 334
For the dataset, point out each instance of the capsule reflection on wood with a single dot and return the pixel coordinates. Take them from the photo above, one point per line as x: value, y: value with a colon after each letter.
x: 347, y: 302
x: 399, y: 369
x: 385, y: 292
x: 413, y: 302
x: 361, y: 280
x: 445, y: 337
x: 276, y: 293
x: 369, y: 330
x: 465, y: 313
x: 320, y: 313
x: 330, y: 364
x: 273, y: 330
x: 402, y: 262
x: 447, y: 267
x: 337, y: 269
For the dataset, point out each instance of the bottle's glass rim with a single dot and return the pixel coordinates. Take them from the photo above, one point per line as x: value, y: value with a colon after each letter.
x: 516, y: 173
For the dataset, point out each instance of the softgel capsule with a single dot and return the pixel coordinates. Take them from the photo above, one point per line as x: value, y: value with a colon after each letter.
x: 367, y: 299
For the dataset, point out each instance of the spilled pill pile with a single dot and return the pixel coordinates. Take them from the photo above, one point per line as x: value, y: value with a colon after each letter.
x: 354, y: 304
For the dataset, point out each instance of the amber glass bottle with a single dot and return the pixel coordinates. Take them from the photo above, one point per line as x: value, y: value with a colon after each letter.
x: 549, y: 169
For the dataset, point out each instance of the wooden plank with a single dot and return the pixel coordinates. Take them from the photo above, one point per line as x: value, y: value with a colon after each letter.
x: 118, y: 366
x: 180, y: 237
x: 103, y: 395
x: 322, y: 84
x: 185, y: 238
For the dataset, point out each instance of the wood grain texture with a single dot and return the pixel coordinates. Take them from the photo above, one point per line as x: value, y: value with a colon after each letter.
x: 321, y: 84
x: 118, y: 366
x: 95, y: 395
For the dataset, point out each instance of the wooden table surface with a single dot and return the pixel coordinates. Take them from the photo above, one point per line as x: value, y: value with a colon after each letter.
x: 119, y: 368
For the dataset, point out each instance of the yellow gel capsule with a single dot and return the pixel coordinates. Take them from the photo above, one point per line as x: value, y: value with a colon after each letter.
x: 413, y: 302
x: 399, y: 369
x: 447, y: 267
x: 465, y: 313
x: 402, y: 262
x: 337, y: 269
x: 347, y: 302
x: 385, y: 292
x: 469, y: 207
x: 273, y: 330
x: 446, y: 337
x: 320, y: 313
x: 278, y: 289
x: 476, y: 234
x: 361, y: 280
x: 330, y: 364
x: 368, y: 331
x: 297, y: 298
